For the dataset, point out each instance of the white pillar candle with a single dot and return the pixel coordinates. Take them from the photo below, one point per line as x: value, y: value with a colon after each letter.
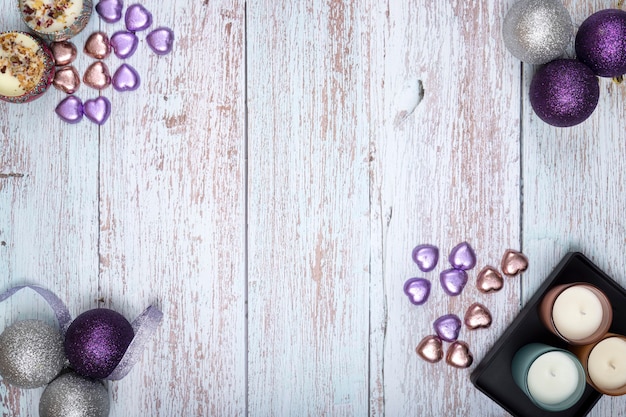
x: 49, y: 16
x: 607, y: 364
x: 577, y: 313
x: 553, y: 378
x: 22, y: 64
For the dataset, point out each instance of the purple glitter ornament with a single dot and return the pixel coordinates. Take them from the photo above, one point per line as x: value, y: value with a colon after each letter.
x: 601, y: 42
x: 418, y: 290
x: 453, y: 281
x: 564, y: 92
x: 448, y: 327
x: 96, y: 341
x: 462, y: 256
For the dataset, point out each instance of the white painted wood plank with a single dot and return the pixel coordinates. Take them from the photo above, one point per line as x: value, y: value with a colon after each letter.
x: 449, y: 173
x: 172, y: 214
x: 309, y: 254
x: 48, y: 211
x: 583, y: 169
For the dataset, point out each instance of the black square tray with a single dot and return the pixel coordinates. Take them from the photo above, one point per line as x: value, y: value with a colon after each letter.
x: 492, y: 375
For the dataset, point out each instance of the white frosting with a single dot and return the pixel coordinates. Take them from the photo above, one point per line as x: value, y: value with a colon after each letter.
x: 39, y: 20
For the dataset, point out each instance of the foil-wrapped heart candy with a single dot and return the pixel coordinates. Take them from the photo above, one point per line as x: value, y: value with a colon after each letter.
x: 459, y: 355
x: 426, y: 257
x: 448, y: 327
x: 489, y: 280
x: 430, y: 349
x: 513, y: 262
x: 462, y: 256
x: 477, y: 316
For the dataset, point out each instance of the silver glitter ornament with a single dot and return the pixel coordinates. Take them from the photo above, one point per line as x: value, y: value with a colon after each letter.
x: 537, y: 31
x: 31, y: 354
x: 71, y: 395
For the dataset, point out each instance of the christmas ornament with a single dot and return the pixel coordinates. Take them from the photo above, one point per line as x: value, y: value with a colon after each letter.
x: 98, y: 45
x: 537, y: 31
x: 426, y: 257
x: 70, y: 109
x: 489, y: 280
x: 462, y: 256
x: 75, y: 396
x: 96, y: 341
x: 564, y: 92
x: 477, y: 316
x: 110, y: 10
x: 64, y: 52
x: 513, y: 262
x: 448, y: 327
x: 125, y: 78
x: 97, y: 110
x: 418, y: 290
x: 453, y: 281
x: 459, y: 355
x: 601, y: 42
x: 97, y: 76
x: 124, y: 44
x: 67, y: 79
x: 161, y: 40
x: 31, y: 354
x: 430, y: 349
x: 137, y: 18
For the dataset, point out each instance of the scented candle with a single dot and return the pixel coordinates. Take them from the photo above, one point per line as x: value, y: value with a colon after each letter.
x: 552, y: 378
x: 56, y: 20
x: 605, y: 364
x: 26, y: 67
x: 578, y: 313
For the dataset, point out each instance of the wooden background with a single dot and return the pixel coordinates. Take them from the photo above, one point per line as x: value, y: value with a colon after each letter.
x: 265, y: 188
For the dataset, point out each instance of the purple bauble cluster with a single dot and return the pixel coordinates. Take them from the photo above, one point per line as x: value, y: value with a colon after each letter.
x: 96, y: 341
x: 565, y: 92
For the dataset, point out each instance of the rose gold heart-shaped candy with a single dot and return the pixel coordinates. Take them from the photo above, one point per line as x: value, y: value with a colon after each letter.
x: 477, y: 316
x: 489, y: 280
x: 64, y: 52
x: 459, y: 355
x: 97, y: 76
x: 430, y: 349
x: 98, y: 45
x: 513, y: 262
x: 67, y: 79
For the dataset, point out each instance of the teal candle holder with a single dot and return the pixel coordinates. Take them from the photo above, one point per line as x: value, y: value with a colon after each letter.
x: 520, y: 367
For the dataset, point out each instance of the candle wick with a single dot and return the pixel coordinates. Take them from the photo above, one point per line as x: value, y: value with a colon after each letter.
x: 612, y: 365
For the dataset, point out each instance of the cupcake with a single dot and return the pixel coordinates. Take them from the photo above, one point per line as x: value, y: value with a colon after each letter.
x: 56, y: 20
x: 26, y: 67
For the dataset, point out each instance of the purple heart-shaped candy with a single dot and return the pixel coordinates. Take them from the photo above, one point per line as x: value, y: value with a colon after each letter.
x: 453, y: 281
x: 125, y: 78
x: 137, y: 18
x: 124, y: 43
x: 70, y: 109
x: 426, y: 257
x: 110, y: 10
x: 448, y: 327
x: 462, y: 256
x: 98, y: 110
x: 160, y: 40
x: 418, y: 290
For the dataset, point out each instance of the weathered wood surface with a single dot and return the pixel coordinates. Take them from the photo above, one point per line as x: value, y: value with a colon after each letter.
x: 265, y: 188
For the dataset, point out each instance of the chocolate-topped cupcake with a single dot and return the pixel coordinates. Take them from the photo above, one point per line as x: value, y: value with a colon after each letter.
x: 26, y: 67
x: 56, y: 20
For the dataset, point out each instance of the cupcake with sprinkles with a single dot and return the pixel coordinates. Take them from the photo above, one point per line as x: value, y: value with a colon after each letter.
x: 56, y: 20
x: 26, y: 67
